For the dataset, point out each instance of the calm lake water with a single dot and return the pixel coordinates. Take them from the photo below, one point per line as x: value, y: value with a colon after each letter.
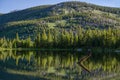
x: 59, y: 65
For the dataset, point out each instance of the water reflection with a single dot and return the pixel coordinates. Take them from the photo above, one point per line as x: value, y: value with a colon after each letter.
x: 22, y: 65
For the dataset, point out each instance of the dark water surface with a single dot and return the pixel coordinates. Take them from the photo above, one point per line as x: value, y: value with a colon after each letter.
x: 58, y: 65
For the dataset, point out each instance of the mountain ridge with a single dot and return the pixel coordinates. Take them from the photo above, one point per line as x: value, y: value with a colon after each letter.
x: 49, y: 7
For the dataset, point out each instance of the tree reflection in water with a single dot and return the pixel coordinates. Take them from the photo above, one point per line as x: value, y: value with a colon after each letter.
x: 59, y: 65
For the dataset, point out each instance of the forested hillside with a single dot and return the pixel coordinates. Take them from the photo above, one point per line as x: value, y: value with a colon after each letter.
x: 68, y: 16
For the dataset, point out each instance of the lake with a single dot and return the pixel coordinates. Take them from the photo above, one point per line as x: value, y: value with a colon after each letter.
x: 59, y: 65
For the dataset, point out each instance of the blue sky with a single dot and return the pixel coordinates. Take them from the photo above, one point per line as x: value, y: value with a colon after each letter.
x: 10, y: 5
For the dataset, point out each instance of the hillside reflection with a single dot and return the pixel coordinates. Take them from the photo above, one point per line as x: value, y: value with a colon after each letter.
x: 59, y: 65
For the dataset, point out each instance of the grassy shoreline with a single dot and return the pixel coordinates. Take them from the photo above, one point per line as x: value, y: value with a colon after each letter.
x: 56, y: 49
x: 67, y: 49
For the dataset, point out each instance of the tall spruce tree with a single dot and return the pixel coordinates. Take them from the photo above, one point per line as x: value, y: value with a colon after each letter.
x: 44, y: 39
x: 50, y: 39
x: 37, y: 42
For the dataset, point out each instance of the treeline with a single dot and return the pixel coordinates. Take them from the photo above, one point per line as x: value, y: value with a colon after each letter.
x: 64, y: 39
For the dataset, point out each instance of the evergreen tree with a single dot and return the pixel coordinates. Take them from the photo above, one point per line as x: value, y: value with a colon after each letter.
x: 37, y: 42
x: 50, y: 39
x: 76, y: 40
x: 17, y: 37
x: 71, y: 38
x: 80, y: 37
x: 44, y: 39
x: 17, y: 42
x: 28, y: 42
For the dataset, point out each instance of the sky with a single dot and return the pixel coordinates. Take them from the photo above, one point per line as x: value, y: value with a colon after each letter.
x: 11, y: 5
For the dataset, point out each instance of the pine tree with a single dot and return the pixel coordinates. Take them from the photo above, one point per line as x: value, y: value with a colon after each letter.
x: 37, y: 43
x: 71, y: 38
x: 80, y: 37
x: 28, y: 42
x: 44, y: 39
x: 55, y: 39
x: 76, y: 40
x: 17, y: 37
x: 17, y: 42
x: 50, y: 39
